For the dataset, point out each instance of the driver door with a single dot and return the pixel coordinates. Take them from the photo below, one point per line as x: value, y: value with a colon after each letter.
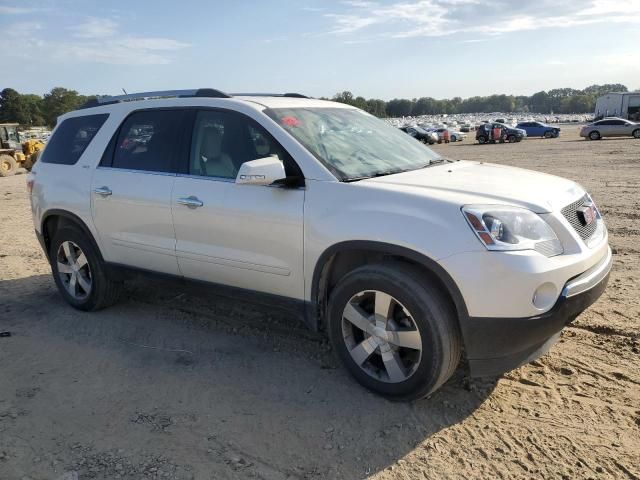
x: 243, y: 236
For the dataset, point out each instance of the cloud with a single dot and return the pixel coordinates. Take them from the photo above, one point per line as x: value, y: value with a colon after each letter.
x: 95, y: 28
x: 435, y: 18
x: 9, y: 10
x: 95, y: 40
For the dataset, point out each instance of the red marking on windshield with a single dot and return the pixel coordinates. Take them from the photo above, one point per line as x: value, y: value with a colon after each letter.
x: 290, y: 121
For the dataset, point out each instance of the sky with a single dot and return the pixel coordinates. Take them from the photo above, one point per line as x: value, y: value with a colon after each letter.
x: 378, y: 49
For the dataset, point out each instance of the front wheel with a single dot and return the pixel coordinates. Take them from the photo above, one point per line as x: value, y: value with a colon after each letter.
x: 548, y: 135
x: 482, y: 139
x: 394, y: 330
x: 636, y: 133
x: 79, y: 272
x: 594, y: 135
x: 8, y: 165
x: 512, y: 138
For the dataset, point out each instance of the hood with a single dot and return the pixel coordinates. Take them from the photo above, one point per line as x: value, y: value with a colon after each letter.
x: 467, y: 183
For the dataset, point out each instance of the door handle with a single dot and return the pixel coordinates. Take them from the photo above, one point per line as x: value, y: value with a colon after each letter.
x: 191, y: 202
x: 104, y: 191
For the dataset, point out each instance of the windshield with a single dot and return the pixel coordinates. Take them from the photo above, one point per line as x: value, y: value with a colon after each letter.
x: 352, y: 143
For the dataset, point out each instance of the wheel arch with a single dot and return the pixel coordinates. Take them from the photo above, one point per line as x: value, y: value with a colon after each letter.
x: 53, y: 220
x: 341, y: 258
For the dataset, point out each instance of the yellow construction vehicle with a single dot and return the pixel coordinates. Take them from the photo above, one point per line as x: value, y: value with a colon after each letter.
x: 15, y: 154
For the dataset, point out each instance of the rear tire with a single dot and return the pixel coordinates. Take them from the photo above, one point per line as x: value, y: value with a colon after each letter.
x: 636, y: 133
x: 8, y: 165
x: 71, y: 254
x: 594, y: 135
x: 416, y: 308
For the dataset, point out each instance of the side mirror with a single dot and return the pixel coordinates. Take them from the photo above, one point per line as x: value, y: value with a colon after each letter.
x: 263, y: 171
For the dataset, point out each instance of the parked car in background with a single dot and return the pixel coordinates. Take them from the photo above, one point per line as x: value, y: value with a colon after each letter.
x: 421, y: 134
x: 539, y: 129
x: 509, y: 134
x: 454, y: 135
x: 610, y: 127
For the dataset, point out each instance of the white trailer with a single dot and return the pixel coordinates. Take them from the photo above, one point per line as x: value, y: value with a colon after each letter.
x: 623, y: 105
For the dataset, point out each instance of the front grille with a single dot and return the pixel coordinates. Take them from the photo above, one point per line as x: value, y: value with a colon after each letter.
x: 570, y: 212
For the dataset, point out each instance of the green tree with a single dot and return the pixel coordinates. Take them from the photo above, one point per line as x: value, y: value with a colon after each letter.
x: 60, y: 101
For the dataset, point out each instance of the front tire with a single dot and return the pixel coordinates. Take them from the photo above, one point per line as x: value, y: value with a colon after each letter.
x: 482, y: 139
x: 394, y: 330
x: 594, y: 136
x: 548, y: 135
x: 8, y: 165
x: 79, y: 271
x: 512, y: 139
x: 636, y: 133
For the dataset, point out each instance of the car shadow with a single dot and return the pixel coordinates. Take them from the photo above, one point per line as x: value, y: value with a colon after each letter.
x: 231, y: 380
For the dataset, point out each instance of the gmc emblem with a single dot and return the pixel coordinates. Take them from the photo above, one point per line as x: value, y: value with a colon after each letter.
x: 587, y: 214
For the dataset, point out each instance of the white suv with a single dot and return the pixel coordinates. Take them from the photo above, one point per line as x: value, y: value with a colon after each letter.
x: 408, y: 261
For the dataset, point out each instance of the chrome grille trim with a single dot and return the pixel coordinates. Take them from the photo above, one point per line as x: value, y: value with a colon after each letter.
x: 570, y: 212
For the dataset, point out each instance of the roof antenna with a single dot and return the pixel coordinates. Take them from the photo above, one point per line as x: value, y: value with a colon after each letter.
x: 125, y: 92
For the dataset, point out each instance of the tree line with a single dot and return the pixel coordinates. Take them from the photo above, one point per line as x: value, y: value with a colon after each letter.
x: 557, y: 100
x: 30, y: 109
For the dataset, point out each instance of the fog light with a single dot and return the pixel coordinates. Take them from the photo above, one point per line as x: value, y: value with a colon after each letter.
x: 545, y: 296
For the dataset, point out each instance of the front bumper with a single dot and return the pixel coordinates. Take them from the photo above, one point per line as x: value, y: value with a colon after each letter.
x: 497, y: 345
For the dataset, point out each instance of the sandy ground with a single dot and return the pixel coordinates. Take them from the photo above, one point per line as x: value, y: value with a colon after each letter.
x: 175, y: 384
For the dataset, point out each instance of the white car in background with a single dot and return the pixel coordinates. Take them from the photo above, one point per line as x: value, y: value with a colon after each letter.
x: 407, y: 261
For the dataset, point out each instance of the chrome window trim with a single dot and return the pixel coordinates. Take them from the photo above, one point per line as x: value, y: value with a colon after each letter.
x: 205, y: 177
x: 133, y: 170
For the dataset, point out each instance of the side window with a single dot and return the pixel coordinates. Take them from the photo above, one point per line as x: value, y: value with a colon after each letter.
x: 222, y: 141
x: 72, y: 138
x: 148, y: 140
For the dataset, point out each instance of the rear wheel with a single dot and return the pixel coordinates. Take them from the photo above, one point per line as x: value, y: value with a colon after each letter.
x: 8, y: 165
x: 79, y: 272
x: 394, y: 330
x: 594, y: 135
x: 636, y: 133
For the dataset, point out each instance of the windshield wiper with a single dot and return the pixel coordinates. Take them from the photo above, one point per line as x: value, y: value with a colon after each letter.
x: 384, y: 173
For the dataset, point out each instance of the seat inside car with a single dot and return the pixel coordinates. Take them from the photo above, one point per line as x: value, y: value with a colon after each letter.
x: 211, y: 160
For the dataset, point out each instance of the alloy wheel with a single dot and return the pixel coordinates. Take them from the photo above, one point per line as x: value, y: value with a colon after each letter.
x: 74, y: 270
x: 381, y: 336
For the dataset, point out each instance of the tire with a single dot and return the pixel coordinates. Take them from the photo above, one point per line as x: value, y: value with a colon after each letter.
x: 102, y: 290
x: 454, y: 138
x: 512, y: 139
x: 482, y: 139
x: 548, y: 134
x: 636, y: 133
x: 417, y: 372
x: 594, y: 135
x: 8, y: 165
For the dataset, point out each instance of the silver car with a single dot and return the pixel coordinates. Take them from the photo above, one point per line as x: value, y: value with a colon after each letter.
x: 610, y: 127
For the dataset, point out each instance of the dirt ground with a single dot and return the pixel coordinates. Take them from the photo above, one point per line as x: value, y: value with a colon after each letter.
x: 175, y: 384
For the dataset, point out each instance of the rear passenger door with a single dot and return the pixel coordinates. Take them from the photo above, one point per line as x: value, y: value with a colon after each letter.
x: 245, y: 236
x: 131, y: 191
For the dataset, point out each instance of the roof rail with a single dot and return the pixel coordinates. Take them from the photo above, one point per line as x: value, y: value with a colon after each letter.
x: 199, y: 92
x: 291, y: 95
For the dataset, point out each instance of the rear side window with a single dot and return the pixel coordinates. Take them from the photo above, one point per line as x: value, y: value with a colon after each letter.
x: 148, y: 141
x: 71, y: 139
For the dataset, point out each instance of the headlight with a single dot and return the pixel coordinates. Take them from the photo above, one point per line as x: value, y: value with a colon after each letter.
x: 512, y: 228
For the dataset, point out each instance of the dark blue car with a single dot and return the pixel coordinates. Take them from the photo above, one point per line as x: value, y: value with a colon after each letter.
x: 539, y: 129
